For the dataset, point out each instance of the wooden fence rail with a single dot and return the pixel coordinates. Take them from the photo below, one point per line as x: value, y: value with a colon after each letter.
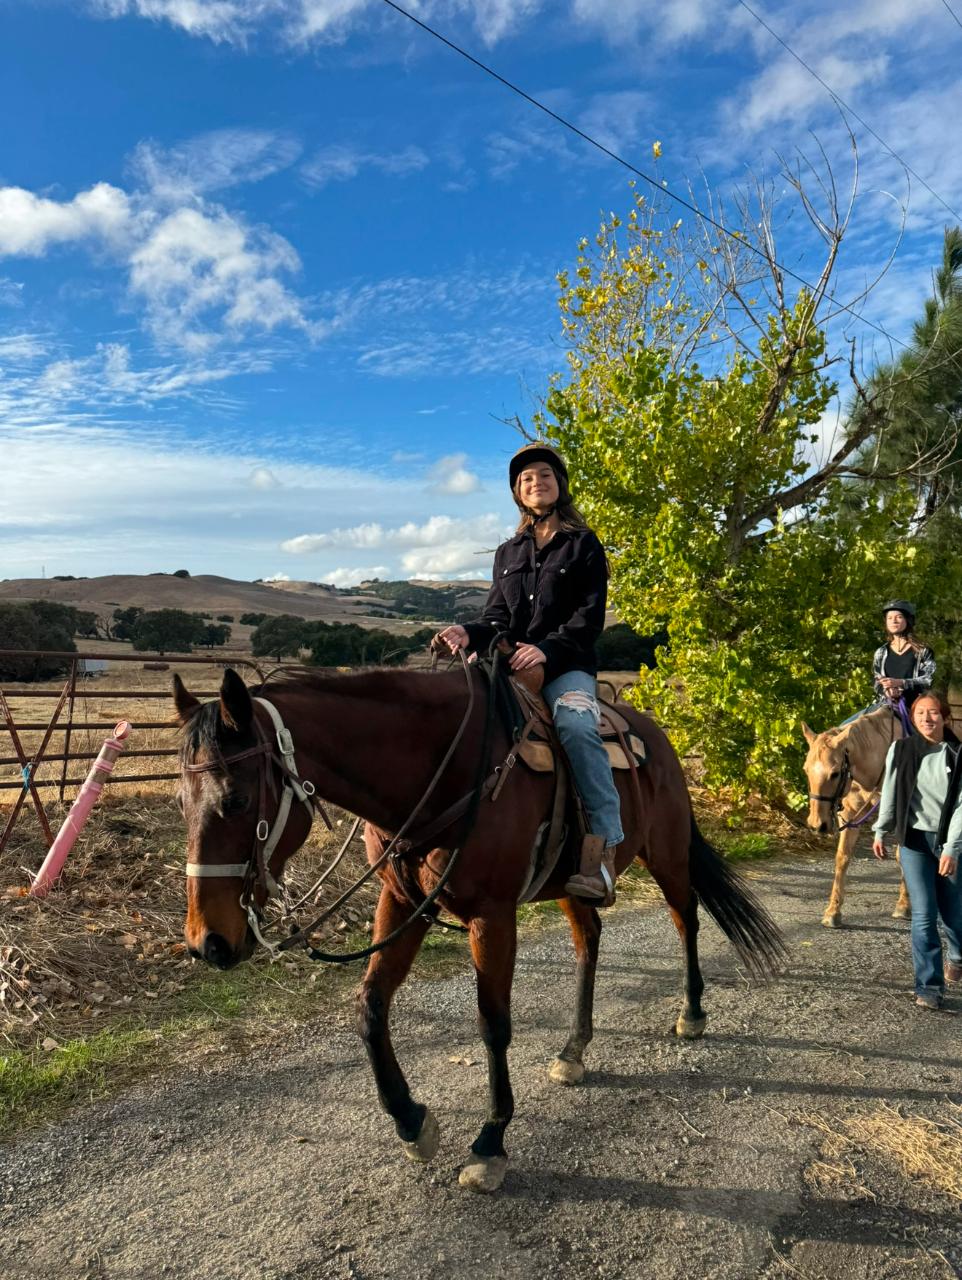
x: 29, y: 762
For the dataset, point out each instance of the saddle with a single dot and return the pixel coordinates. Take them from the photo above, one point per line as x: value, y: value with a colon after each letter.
x: 535, y: 742
x: 537, y: 745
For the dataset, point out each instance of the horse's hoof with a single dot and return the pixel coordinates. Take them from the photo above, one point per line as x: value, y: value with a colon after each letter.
x: 484, y: 1173
x: 832, y: 921
x: 691, y: 1028
x: 902, y: 913
x: 425, y: 1145
x: 562, y: 1071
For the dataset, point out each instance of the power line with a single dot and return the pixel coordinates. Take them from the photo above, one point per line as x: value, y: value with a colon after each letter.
x: 955, y: 16
x: 851, y: 110
x: 645, y: 177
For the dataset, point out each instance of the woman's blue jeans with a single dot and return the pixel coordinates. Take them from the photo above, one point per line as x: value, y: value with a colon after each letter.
x: 933, y: 896
x: 572, y: 698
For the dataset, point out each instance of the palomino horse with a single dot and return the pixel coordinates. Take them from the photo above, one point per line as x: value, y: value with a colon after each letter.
x: 369, y: 742
x: 844, y: 767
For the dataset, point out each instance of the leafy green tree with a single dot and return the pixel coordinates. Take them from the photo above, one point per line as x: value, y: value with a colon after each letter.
x: 252, y: 619
x: 167, y: 631
x: 279, y: 636
x: 214, y: 634
x: 694, y: 467
x: 37, y: 626
x: 125, y: 620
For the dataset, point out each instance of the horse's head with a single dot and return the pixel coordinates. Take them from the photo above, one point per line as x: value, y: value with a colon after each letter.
x: 829, y: 776
x: 229, y: 794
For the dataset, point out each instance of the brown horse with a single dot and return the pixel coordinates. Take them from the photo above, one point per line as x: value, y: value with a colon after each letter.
x: 844, y: 768
x: 369, y: 742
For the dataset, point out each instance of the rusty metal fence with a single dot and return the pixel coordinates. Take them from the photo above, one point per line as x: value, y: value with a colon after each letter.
x: 58, y: 729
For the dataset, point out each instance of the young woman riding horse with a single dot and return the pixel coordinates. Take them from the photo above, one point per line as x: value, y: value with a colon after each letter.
x: 371, y: 742
x: 548, y: 597
x: 903, y: 667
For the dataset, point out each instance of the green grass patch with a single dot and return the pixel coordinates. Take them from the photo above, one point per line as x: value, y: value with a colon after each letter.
x: 37, y: 1084
x: 748, y: 846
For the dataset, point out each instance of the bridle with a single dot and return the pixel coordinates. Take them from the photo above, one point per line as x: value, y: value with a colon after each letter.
x: 845, y: 777
x: 840, y: 792
x: 255, y: 873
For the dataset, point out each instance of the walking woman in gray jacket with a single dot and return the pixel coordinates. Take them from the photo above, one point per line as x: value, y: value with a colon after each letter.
x: 921, y: 810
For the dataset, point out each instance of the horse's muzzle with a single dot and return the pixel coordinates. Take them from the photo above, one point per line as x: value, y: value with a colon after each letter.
x: 217, y: 951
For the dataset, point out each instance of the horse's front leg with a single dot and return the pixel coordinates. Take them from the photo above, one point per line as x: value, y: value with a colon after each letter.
x: 832, y: 919
x: 493, y: 945
x: 585, y: 922
x: 387, y: 969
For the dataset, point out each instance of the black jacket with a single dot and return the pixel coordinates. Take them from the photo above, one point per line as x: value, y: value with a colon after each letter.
x: 907, y: 757
x: 554, y: 597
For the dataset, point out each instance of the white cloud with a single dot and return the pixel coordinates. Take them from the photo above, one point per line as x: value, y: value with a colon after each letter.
x: 213, y: 161
x: 669, y: 22
x: 299, y: 22
x: 17, y: 348
x: 278, y: 577
x: 31, y: 224
x: 341, y: 163
x: 200, y: 273
x: 219, y: 20
x: 437, y: 532
x: 263, y: 478
x: 352, y: 577
x: 785, y: 90
x: 11, y: 292
x: 450, y: 475
x: 139, y: 495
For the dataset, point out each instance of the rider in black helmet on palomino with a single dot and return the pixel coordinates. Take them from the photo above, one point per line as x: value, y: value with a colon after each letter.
x: 903, y: 666
x: 548, y: 596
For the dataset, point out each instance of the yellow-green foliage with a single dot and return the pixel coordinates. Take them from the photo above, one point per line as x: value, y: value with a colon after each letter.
x: 772, y: 615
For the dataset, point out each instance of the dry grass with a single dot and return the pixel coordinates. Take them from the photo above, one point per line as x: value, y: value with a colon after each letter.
x: 926, y: 1149
x: 107, y: 940
x: 918, y: 1147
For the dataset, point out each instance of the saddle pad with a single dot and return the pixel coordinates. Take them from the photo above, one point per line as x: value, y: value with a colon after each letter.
x: 539, y: 757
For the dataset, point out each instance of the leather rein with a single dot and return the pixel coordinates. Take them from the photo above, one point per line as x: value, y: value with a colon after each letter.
x: 255, y: 873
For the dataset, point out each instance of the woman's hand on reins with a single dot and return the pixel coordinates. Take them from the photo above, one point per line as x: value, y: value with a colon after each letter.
x: 878, y: 848
x: 526, y: 655
x: 454, y: 637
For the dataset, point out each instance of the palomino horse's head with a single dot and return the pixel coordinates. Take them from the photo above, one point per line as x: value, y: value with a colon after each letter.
x: 229, y: 795
x: 829, y: 773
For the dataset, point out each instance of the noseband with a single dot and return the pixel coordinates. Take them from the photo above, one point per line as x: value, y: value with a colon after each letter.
x: 255, y: 872
x: 838, y: 795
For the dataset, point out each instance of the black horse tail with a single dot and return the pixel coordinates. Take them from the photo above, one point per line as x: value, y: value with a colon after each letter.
x: 734, y: 908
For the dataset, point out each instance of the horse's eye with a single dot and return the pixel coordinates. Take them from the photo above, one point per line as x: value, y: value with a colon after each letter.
x: 833, y: 774
x: 233, y: 805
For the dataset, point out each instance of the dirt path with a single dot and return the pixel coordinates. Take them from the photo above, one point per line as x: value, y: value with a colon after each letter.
x: 676, y: 1159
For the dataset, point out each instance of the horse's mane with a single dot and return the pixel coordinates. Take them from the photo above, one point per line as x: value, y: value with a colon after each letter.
x: 204, y: 730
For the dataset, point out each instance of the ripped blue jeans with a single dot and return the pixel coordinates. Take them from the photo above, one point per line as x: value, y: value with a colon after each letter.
x: 572, y: 698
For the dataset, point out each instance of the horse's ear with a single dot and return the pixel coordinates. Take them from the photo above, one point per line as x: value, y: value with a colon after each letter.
x: 236, y: 708
x: 810, y: 734
x: 184, y: 701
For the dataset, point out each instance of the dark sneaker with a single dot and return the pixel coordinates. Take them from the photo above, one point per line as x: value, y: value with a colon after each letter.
x: 953, y: 971
x: 931, y: 1000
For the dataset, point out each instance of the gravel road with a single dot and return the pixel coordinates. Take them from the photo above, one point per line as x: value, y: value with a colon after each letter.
x: 675, y: 1159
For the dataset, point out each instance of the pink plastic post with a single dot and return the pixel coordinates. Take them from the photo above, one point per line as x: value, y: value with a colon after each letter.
x: 79, y: 811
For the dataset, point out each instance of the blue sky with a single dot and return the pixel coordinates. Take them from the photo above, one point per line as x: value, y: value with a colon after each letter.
x: 272, y: 271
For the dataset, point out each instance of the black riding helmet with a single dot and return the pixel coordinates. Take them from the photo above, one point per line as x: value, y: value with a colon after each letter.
x: 900, y: 606
x: 537, y: 451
